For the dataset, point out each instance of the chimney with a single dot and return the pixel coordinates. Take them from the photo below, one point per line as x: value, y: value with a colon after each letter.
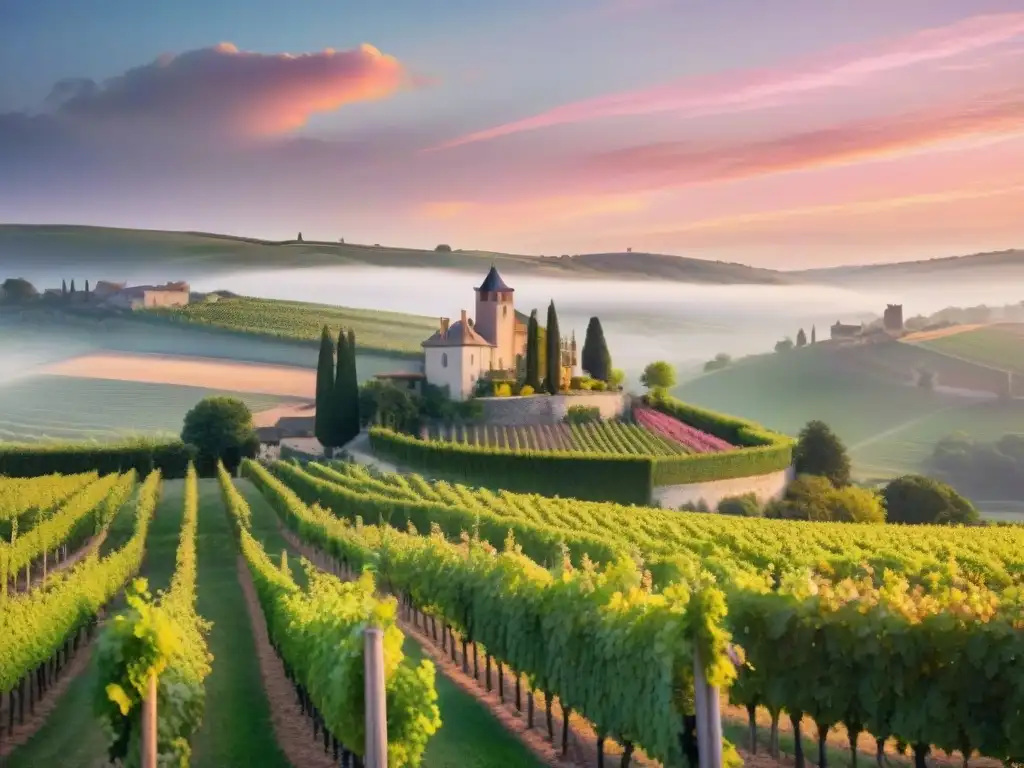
x: 444, y: 327
x: 464, y: 318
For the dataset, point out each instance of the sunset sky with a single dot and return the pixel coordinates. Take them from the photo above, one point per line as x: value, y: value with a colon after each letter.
x: 785, y: 133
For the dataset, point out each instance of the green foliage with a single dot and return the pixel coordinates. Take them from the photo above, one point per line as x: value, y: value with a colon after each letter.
x: 164, y: 637
x: 597, y: 638
x: 553, y: 372
x: 915, y: 499
x: 995, y: 469
x: 221, y: 429
x: 526, y: 390
x: 533, y: 352
x: 658, y: 376
x: 819, y: 451
x: 443, y: 248
x: 318, y: 631
x: 324, y: 422
x: 854, y: 624
x: 34, y: 625
x: 15, y: 290
x: 581, y: 475
x: 582, y: 414
x: 784, y: 345
x: 502, y: 389
x: 618, y: 376
x: 744, y: 505
x: 811, y: 497
x: 720, y: 361
x: 171, y: 457
x: 595, y: 359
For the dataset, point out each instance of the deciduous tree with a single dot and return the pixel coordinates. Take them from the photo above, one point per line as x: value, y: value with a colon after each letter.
x: 919, y: 499
x: 221, y: 429
x: 658, y: 376
x: 819, y: 451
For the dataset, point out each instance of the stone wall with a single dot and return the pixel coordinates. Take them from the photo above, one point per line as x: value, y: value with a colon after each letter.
x: 549, y: 409
x: 765, y: 487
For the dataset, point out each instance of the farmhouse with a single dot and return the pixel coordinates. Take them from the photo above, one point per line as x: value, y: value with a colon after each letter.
x: 493, y: 345
x: 119, y: 296
x: 845, y: 331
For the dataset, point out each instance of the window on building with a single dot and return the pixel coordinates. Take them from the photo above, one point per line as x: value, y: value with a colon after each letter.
x: 501, y: 364
x: 444, y: 359
x: 504, y: 311
x: 472, y: 359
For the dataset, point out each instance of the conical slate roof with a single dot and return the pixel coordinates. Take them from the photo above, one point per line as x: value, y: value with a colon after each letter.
x: 493, y: 282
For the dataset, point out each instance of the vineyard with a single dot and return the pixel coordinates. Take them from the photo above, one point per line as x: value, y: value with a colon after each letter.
x: 617, y: 623
x: 610, y: 437
x: 853, y: 625
x: 388, y: 332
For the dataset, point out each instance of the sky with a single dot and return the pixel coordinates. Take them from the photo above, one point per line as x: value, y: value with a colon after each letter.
x: 780, y: 133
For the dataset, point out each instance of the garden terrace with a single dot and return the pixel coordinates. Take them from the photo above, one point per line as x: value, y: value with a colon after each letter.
x: 674, y: 443
x: 612, y: 437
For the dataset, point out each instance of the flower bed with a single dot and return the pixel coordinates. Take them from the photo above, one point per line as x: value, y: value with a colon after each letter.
x: 694, y: 439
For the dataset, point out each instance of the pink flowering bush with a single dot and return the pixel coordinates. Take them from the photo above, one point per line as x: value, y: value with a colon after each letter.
x: 696, y: 440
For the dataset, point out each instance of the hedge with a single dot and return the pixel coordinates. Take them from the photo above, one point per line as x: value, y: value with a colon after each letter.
x: 759, y: 450
x: 171, y: 457
x: 590, y: 477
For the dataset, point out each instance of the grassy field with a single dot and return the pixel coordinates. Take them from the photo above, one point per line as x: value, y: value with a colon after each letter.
x: 383, y: 331
x: 66, y: 408
x: 994, y: 346
x: 124, y: 251
x: 889, y: 428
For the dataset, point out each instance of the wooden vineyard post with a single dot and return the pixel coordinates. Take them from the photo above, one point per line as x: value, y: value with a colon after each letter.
x: 149, y: 725
x: 376, y: 710
x: 709, y: 716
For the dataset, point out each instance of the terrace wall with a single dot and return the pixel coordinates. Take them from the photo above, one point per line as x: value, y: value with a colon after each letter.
x: 549, y: 409
x: 766, y: 487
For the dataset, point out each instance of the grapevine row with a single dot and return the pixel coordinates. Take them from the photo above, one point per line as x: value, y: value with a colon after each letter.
x: 317, y: 633
x: 21, y: 497
x: 861, y: 639
x: 174, y: 647
x: 84, y: 514
x: 598, y: 639
x: 38, y: 625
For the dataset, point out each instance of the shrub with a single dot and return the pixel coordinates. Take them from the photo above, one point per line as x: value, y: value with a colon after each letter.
x: 620, y: 478
x: 745, y: 505
x: 443, y: 248
x: 618, y: 376
x: 659, y: 376
x: 598, y: 386
x: 917, y: 499
x: 502, y: 389
x: 171, y: 457
x: 819, y: 451
x: 720, y: 361
x: 582, y: 414
x: 576, y: 382
x: 526, y: 390
x: 812, y: 497
x: 221, y: 429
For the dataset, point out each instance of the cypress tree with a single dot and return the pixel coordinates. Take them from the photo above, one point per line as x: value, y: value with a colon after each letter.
x: 324, y: 390
x: 72, y: 286
x: 353, y: 386
x: 63, y: 287
x: 339, y: 397
x: 533, y: 352
x: 554, y: 371
x: 596, y: 360
x: 814, y: 335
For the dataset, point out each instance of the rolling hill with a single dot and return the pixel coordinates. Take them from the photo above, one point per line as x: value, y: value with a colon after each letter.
x: 996, y: 265
x: 44, y: 247
x: 866, y: 394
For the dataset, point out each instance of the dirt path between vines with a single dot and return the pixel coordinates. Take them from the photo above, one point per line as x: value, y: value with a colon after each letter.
x: 43, y: 708
x: 69, y: 562
x: 293, y: 729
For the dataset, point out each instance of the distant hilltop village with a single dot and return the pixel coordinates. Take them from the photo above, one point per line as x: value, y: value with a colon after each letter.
x: 892, y: 323
x: 122, y: 296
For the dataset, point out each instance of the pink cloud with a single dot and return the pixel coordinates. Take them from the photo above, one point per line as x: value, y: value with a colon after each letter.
x: 756, y: 89
x: 674, y: 164
x: 225, y: 90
